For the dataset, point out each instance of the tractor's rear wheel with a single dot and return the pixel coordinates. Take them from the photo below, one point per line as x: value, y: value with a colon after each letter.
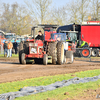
x: 52, y: 51
x: 45, y: 59
x: 21, y: 50
x: 23, y: 58
x: 60, y: 53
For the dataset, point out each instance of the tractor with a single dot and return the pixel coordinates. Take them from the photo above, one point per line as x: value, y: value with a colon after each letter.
x: 68, y: 56
x: 53, y: 49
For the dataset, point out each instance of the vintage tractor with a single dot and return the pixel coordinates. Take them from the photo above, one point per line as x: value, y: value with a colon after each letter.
x: 51, y: 50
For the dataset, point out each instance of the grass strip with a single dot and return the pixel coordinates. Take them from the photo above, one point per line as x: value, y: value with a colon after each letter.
x: 13, y: 56
x: 43, y: 81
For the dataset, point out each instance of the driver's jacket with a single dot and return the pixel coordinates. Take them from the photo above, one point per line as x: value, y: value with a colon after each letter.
x: 40, y: 37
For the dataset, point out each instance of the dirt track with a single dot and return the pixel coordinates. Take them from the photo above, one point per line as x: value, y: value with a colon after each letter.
x: 11, y: 70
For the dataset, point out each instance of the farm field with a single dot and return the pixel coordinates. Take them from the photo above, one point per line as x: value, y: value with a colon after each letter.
x: 11, y: 70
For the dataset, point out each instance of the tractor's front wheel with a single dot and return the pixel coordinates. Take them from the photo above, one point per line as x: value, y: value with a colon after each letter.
x: 21, y: 50
x: 72, y: 58
x: 23, y: 58
x: 45, y: 59
x: 69, y: 57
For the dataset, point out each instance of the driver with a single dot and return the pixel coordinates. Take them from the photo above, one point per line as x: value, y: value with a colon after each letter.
x: 40, y: 36
x: 59, y: 38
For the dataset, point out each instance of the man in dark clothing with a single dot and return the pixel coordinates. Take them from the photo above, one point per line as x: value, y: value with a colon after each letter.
x: 40, y: 36
x: 5, y: 48
x: 15, y: 45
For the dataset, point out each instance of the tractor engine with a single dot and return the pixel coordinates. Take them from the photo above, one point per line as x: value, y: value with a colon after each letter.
x: 36, y: 49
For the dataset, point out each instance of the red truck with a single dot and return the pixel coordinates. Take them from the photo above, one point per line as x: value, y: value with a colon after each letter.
x: 88, y: 34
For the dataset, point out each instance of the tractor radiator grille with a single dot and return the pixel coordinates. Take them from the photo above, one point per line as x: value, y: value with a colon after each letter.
x: 33, y: 50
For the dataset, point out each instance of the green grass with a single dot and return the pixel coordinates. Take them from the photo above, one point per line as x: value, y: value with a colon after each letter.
x: 13, y: 56
x: 57, y: 94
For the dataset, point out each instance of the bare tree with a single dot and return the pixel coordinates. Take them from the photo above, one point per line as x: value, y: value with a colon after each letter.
x: 84, y: 9
x: 58, y: 16
x: 39, y: 9
x: 95, y: 10
x: 15, y: 19
x: 73, y: 12
x: 78, y: 10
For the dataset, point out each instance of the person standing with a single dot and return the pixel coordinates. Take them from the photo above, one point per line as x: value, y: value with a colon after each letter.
x: 15, y: 45
x: 74, y: 46
x: 10, y: 46
x: 5, y: 48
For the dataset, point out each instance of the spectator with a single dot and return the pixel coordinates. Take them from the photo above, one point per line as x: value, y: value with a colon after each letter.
x: 40, y: 36
x: 5, y: 48
x: 74, y: 46
x: 10, y: 46
x: 15, y: 45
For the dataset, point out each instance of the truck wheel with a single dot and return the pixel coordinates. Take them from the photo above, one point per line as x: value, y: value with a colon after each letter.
x: 95, y: 52
x: 23, y: 58
x: 45, y: 59
x: 21, y: 50
x: 60, y: 53
x: 85, y: 53
x: 52, y: 51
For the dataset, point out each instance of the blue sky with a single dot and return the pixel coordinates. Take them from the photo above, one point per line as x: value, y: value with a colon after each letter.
x: 56, y: 3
